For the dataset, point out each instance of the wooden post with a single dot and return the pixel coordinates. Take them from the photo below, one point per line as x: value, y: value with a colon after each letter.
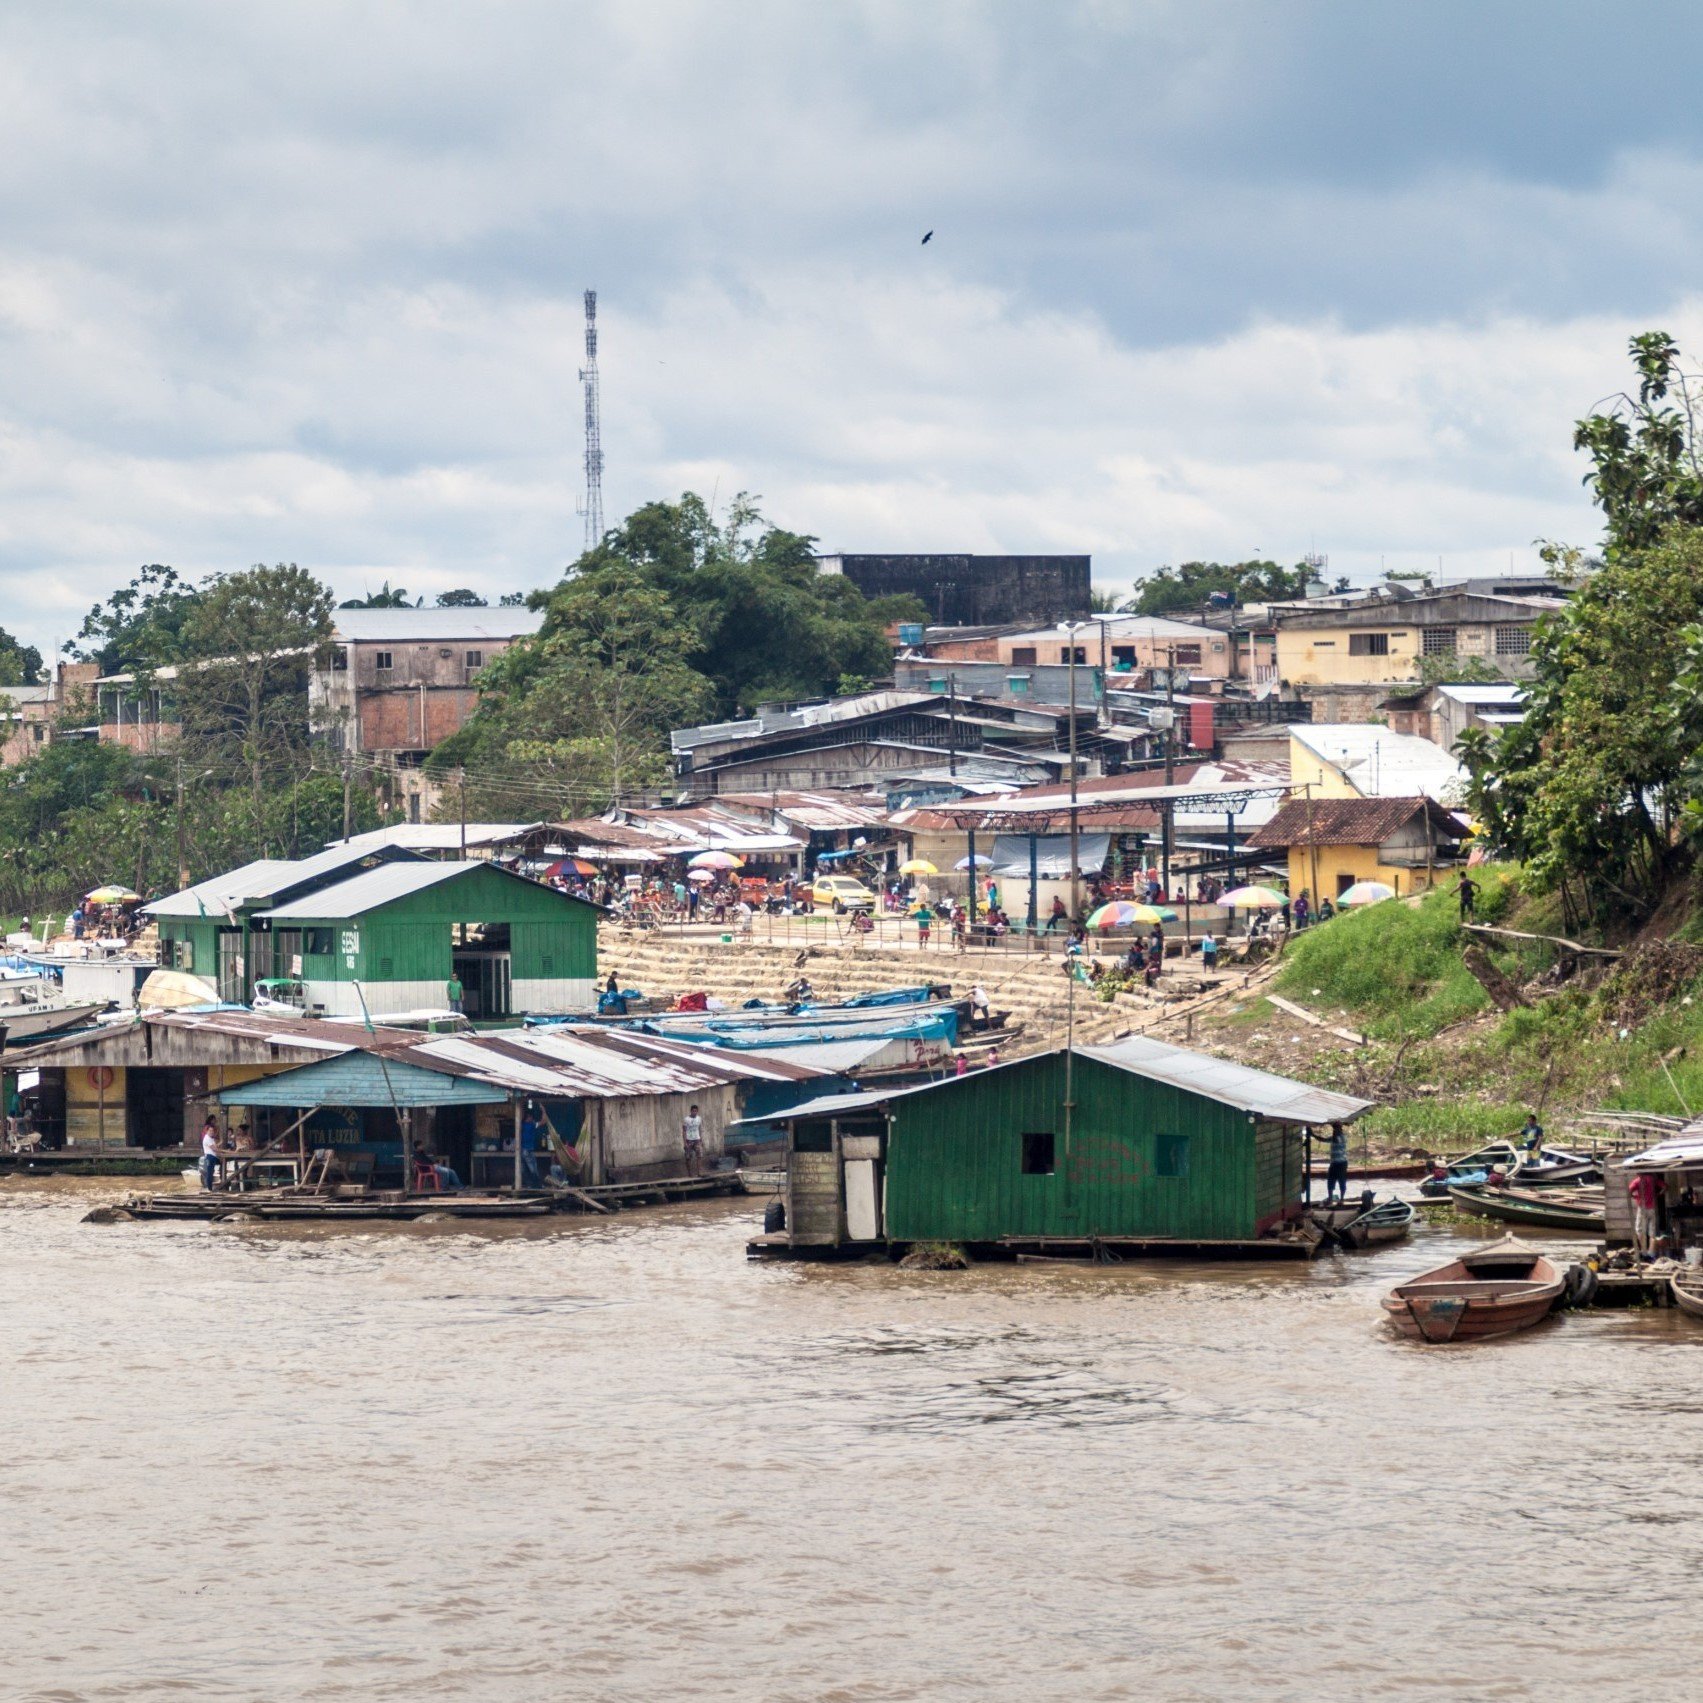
x: 515, y: 1108
x: 407, y: 1121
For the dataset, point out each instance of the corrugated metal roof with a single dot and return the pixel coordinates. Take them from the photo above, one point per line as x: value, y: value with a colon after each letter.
x: 1231, y: 1084
x: 383, y: 886
x: 443, y: 836
x: 435, y: 626
x: 254, y: 883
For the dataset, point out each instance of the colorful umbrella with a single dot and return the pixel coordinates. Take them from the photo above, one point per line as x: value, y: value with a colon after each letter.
x: 918, y: 866
x: 700, y: 875
x: 110, y: 896
x: 1366, y: 893
x: 714, y: 860
x: 1253, y: 899
x: 1121, y: 913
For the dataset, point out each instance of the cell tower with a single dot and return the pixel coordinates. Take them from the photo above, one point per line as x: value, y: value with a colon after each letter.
x: 592, y: 505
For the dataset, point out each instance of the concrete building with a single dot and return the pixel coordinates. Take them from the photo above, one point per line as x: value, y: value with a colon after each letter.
x: 1386, y: 640
x: 1118, y: 644
x: 30, y: 715
x: 972, y: 590
x: 398, y: 682
x: 1443, y: 713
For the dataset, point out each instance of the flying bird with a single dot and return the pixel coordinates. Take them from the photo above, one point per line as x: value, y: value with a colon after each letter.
x: 925, y: 239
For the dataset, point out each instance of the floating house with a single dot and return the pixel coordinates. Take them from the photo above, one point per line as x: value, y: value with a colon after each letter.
x: 379, y: 931
x: 1137, y: 1145
x: 615, y: 1103
x: 617, y: 1096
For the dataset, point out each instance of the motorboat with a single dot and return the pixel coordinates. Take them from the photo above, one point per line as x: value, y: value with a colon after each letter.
x: 32, y: 1008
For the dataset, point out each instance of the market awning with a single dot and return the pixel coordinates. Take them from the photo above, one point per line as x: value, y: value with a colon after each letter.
x: 1052, y: 854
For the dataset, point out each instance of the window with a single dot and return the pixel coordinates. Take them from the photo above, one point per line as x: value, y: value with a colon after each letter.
x: 1171, y: 1156
x: 339, y: 660
x: 40, y: 732
x: 386, y: 970
x: 546, y: 965
x: 937, y: 683
x: 1017, y: 685
x: 817, y: 1136
x: 1187, y: 656
x: 1437, y: 641
x: 316, y: 942
x: 1368, y: 644
x: 475, y: 659
x: 1038, y: 1153
x: 1064, y: 653
x: 1024, y: 656
x: 1513, y: 641
x: 381, y: 661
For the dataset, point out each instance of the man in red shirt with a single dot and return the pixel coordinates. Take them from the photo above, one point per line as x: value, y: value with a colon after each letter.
x: 1644, y: 1190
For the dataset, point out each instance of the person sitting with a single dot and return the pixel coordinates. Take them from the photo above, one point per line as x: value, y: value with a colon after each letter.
x: 1059, y: 918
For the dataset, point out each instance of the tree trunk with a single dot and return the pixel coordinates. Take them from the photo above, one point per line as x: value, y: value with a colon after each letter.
x: 1503, y: 993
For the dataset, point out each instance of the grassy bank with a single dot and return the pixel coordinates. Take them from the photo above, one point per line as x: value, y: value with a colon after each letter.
x: 1450, y: 1069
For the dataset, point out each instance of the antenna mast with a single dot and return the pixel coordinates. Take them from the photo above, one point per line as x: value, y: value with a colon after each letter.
x: 592, y: 505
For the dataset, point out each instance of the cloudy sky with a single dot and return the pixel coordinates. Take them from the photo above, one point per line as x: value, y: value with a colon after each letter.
x: 303, y: 282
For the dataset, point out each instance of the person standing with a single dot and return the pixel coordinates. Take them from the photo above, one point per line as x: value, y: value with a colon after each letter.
x: 1303, y: 911
x: 692, y: 1138
x: 457, y: 993
x: 1644, y: 1190
x: 1336, y: 1178
x: 209, y: 1152
x: 925, y: 921
x: 1468, y: 891
x: 1531, y: 1137
x: 1208, y: 952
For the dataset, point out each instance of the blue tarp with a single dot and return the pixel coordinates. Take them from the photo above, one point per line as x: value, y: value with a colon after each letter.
x: 747, y: 1037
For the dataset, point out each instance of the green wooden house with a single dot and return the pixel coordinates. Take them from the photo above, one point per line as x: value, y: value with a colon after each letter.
x: 1137, y: 1144
x: 383, y: 933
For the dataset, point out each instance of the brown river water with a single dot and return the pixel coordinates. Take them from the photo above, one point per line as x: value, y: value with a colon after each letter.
x: 614, y: 1460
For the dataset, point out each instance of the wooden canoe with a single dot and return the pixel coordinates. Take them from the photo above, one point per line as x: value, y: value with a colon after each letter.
x: 1546, y: 1211
x: 1388, y: 1221
x: 1687, y: 1287
x: 1494, y: 1291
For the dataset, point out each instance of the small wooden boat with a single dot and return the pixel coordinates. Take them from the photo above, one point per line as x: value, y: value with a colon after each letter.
x: 1338, y: 1214
x: 1550, y: 1165
x: 1547, y: 1209
x: 1388, y: 1221
x: 1505, y: 1287
x: 1687, y: 1288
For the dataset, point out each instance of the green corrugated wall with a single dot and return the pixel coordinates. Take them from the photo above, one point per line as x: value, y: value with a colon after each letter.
x: 408, y: 939
x: 203, y: 937
x: 954, y: 1159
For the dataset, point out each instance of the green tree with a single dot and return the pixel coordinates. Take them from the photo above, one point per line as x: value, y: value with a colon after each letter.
x: 461, y: 598
x: 140, y: 627
x: 20, y: 664
x: 251, y: 642
x: 384, y: 598
x: 1192, y: 584
x: 1459, y: 671
x: 576, y: 717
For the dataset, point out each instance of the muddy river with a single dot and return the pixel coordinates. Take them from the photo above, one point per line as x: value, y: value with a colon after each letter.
x: 613, y: 1460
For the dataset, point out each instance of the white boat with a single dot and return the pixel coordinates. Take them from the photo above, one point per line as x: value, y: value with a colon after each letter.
x: 31, y: 1008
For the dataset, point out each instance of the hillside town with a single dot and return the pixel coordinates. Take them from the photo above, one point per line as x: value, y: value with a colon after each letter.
x: 849, y: 852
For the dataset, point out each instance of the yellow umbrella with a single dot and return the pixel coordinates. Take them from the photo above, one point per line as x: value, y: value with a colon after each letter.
x: 110, y: 896
x: 918, y: 866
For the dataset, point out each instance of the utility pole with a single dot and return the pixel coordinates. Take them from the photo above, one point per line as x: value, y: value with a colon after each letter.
x: 1075, y: 824
x: 1170, y: 762
x: 462, y: 792
x: 952, y: 724
x: 592, y: 505
x: 348, y: 792
x: 182, y: 841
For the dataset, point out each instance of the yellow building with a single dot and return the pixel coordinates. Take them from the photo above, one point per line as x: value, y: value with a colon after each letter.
x: 1334, y: 842
x: 1386, y: 640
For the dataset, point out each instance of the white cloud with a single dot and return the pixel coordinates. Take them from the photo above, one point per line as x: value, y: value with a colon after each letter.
x: 303, y: 283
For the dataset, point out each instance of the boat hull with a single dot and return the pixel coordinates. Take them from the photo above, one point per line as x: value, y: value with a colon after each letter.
x: 1688, y: 1294
x: 1508, y: 1208
x: 1461, y: 1319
